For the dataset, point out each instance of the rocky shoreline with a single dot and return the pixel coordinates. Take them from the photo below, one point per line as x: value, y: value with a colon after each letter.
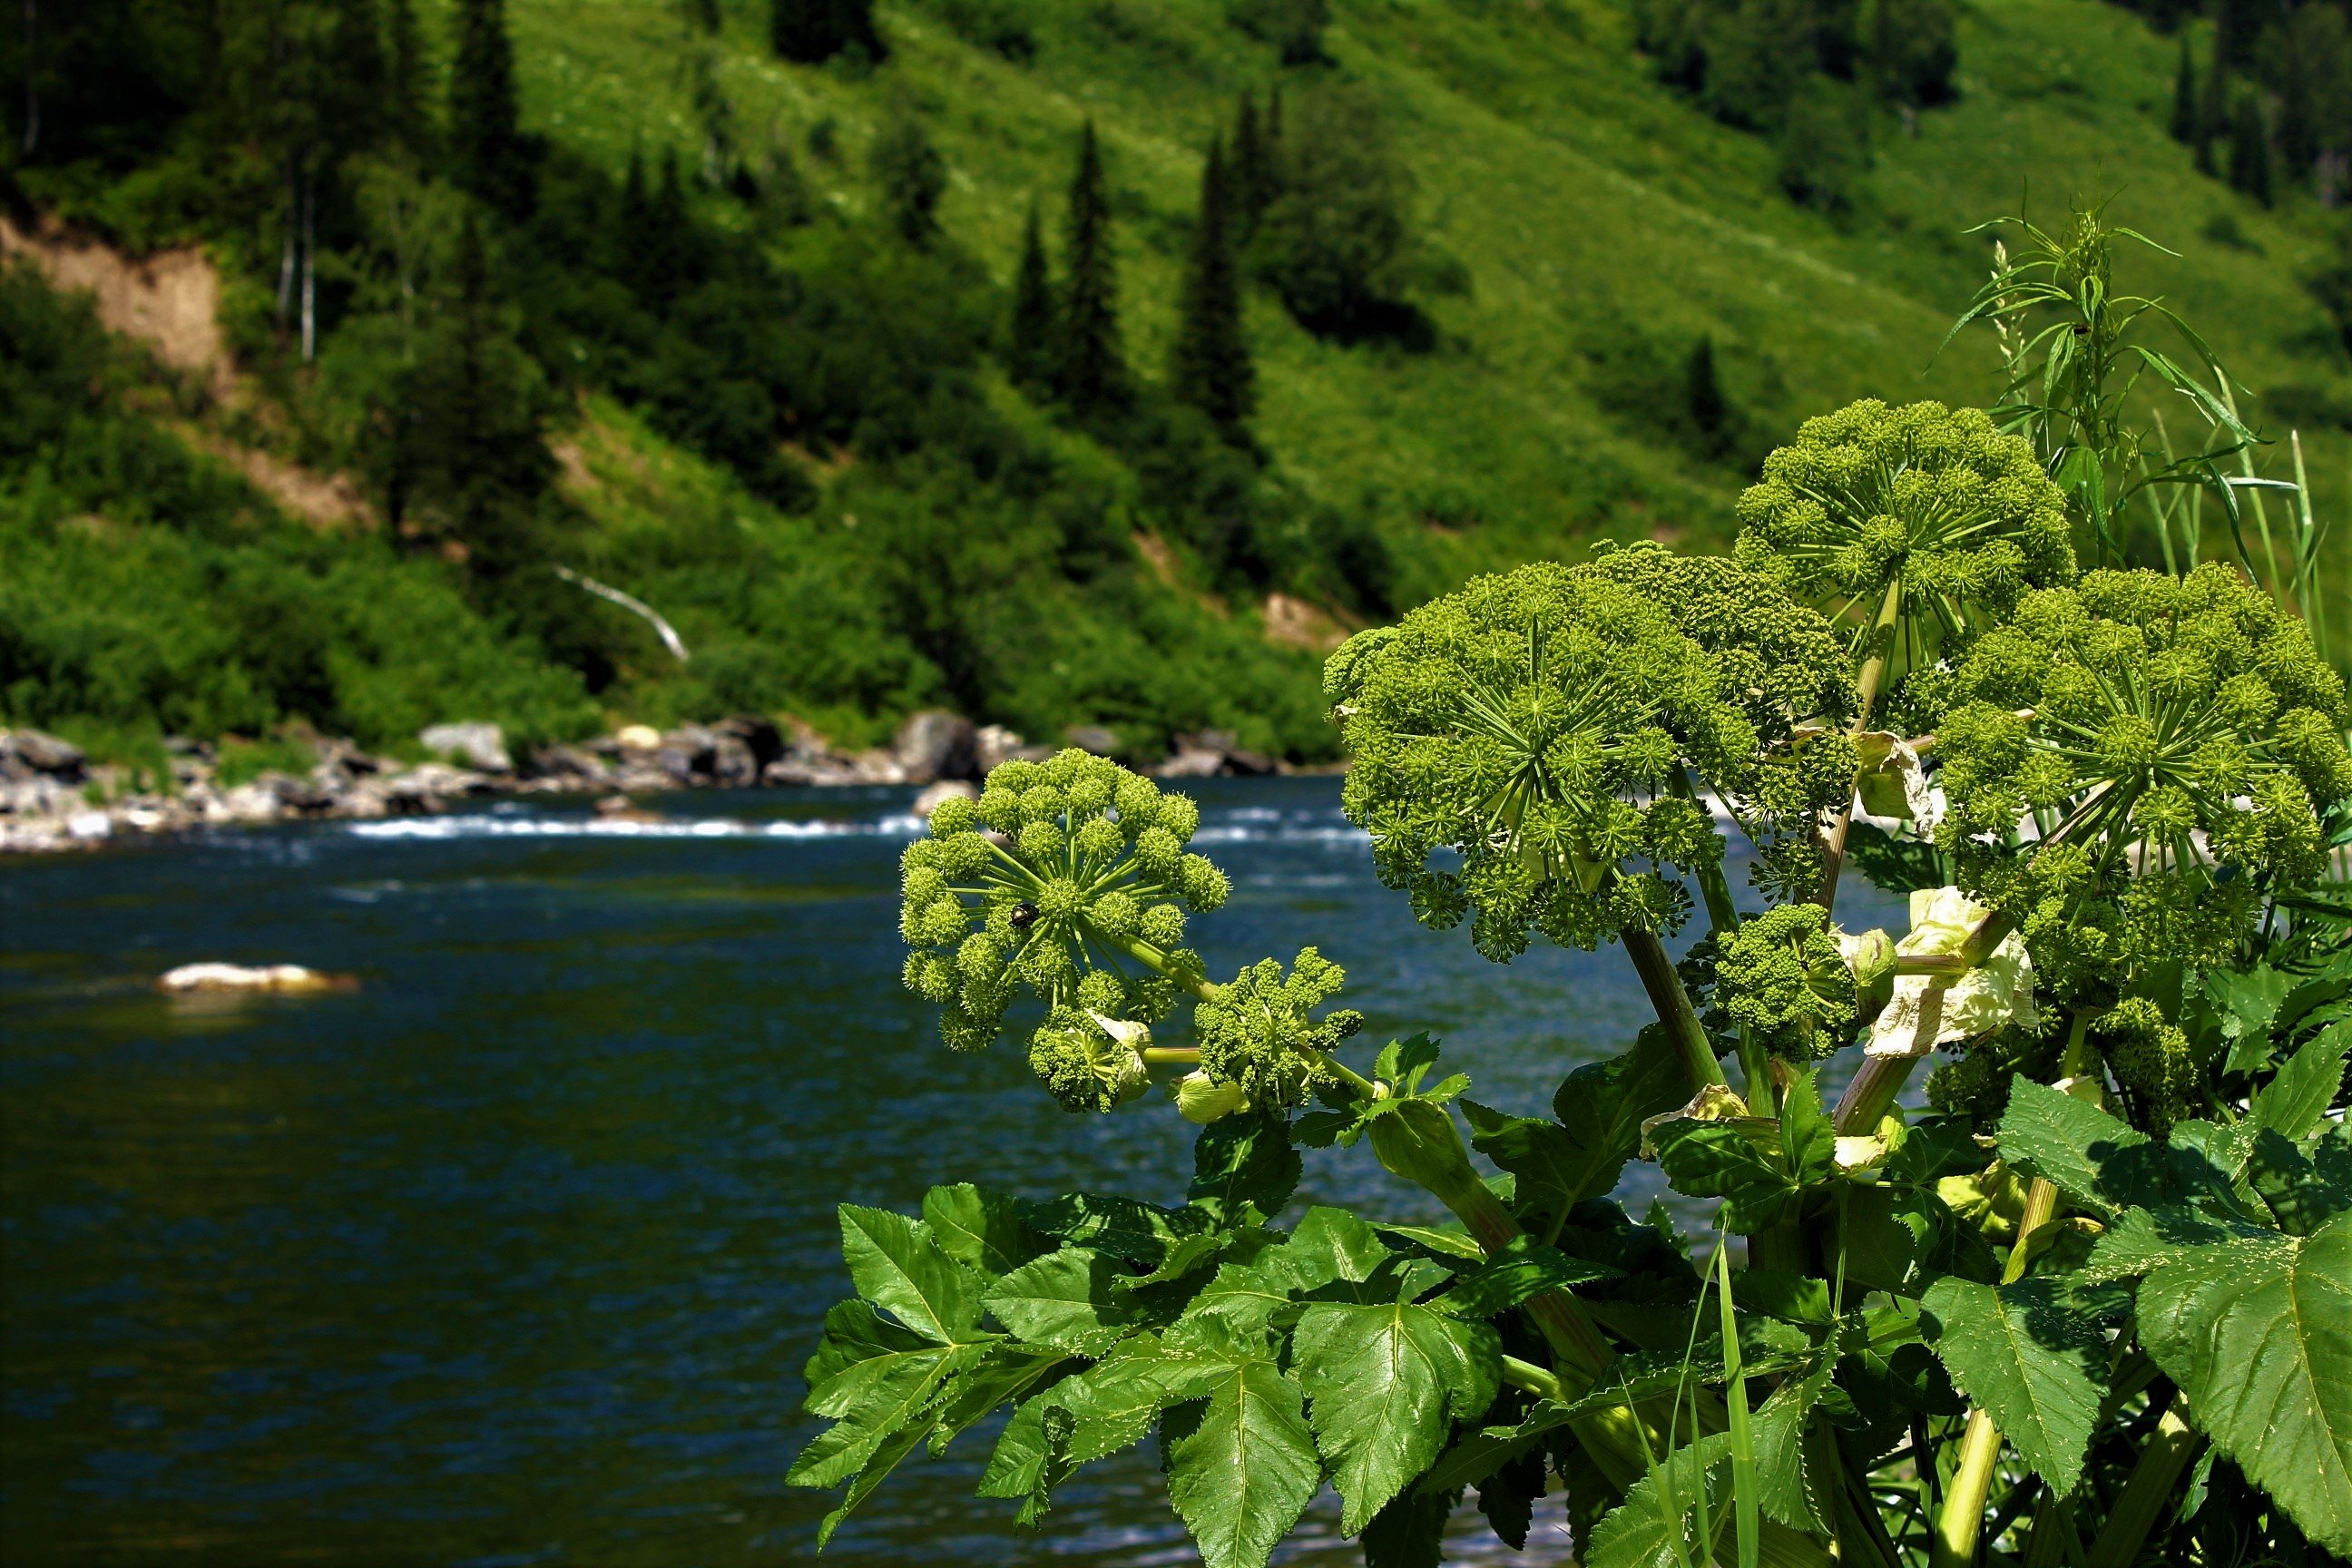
x: 52, y: 797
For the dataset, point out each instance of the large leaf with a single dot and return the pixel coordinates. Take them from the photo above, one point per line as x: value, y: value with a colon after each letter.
x: 1795, y: 1477
x: 880, y: 1408
x: 898, y: 1266
x: 1386, y: 1382
x: 1241, y: 1464
x: 1664, y: 1517
x: 2018, y: 1353
x: 1112, y: 1404
x: 2096, y: 1160
x: 1524, y: 1269
x: 1717, y: 1160
x: 2258, y: 1334
x: 1067, y: 1300
x: 2293, y: 1103
x: 1134, y: 1232
x: 980, y: 1229
x: 1244, y: 1168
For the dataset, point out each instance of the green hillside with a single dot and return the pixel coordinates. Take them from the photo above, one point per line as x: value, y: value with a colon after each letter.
x: 1597, y: 225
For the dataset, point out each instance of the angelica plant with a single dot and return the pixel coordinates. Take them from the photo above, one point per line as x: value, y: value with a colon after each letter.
x: 2086, y: 1305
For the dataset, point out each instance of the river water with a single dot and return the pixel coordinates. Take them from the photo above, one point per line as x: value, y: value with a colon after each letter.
x: 513, y: 1253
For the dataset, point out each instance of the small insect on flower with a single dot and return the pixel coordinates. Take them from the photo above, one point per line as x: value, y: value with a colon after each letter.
x: 1069, y: 878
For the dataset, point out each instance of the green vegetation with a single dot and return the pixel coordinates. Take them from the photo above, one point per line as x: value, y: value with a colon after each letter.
x: 2091, y: 1308
x: 1482, y: 286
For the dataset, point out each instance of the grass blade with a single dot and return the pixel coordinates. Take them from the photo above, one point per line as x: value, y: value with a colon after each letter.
x: 1747, y: 1492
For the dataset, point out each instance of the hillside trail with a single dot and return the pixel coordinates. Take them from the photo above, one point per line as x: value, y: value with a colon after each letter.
x: 170, y: 302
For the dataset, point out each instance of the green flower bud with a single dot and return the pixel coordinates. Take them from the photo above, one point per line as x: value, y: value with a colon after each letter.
x: 1162, y: 925
x: 1181, y: 815
x: 1157, y: 850
x: 1203, y: 886
x: 2152, y: 1062
x: 1100, y: 841
x: 1041, y: 842
x: 999, y: 808
x: 1138, y: 801
x: 1201, y: 1099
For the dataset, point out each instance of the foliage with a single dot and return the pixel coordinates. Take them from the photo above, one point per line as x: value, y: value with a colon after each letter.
x: 2006, y: 1324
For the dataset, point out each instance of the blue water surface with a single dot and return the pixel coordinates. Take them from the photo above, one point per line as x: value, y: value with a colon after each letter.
x: 513, y: 1253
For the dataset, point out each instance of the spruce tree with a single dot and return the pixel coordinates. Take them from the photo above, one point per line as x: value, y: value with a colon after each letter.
x: 486, y: 145
x: 2250, y: 152
x: 1209, y: 365
x: 1710, y: 411
x: 407, y: 118
x: 813, y: 31
x: 2184, y: 98
x: 1093, y: 374
x: 911, y: 176
x: 1029, y: 355
x: 1250, y: 176
x: 2213, y: 110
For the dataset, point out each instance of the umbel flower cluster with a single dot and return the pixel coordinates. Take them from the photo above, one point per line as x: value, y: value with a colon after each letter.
x: 1070, y: 879
x: 2171, y: 741
x: 1932, y: 501
x: 1553, y: 727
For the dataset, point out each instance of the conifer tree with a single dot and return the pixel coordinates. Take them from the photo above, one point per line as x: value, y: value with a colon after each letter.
x: 2213, y: 112
x: 1093, y: 374
x: 1209, y: 365
x: 407, y: 118
x: 813, y: 31
x: 911, y: 177
x: 2250, y: 152
x: 2184, y: 98
x: 486, y: 142
x: 1029, y: 357
x: 1710, y: 411
x: 1250, y: 175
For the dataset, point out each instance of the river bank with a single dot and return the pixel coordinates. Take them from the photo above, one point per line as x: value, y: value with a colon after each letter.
x: 53, y: 797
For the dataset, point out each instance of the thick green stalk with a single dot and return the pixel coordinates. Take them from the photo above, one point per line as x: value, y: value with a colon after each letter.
x: 1880, y: 654
x: 2145, y: 1495
x: 1673, y: 1006
x: 1962, y: 1520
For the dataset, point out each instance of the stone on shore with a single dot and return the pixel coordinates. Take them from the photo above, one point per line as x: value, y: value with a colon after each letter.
x: 483, y: 747
x: 26, y: 754
x: 932, y: 795
x: 934, y: 745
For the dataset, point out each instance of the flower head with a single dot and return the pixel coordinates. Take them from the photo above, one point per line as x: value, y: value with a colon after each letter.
x: 1783, y: 976
x: 1258, y: 1030
x: 1086, y: 1061
x: 1543, y: 725
x: 1934, y: 500
x: 2174, y: 740
x: 1069, y: 878
x: 2151, y: 1059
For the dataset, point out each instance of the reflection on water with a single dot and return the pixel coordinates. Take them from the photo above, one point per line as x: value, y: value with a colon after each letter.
x: 513, y: 1255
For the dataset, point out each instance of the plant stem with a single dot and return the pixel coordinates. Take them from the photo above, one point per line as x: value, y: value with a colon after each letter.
x: 1874, y: 1085
x: 1873, y: 672
x: 1198, y: 984
x: 1673, y: 1006
x: 1962, y: 1520
x: 1172, y: 1056
x: 2141, y: 1502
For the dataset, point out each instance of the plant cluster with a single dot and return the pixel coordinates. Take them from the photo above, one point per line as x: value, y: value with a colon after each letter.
x: 2087, y: 1306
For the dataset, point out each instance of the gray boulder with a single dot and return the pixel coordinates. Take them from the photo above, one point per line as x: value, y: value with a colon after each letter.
x: 482, y: 746
x: 25, y: 753
x: 1094, y: 738
x: 936, y: 745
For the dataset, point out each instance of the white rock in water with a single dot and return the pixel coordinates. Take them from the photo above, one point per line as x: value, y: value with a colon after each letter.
x: 639, y: 737
x: 90, y: 824
x: 245, y: 977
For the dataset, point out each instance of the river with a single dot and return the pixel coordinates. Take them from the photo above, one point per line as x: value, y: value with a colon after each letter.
x: 513, y: 1253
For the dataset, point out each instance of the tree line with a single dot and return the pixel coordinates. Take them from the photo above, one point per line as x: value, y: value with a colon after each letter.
x: 2269, y: 105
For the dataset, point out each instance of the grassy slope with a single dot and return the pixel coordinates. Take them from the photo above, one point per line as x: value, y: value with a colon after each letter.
x: 1581, y: 196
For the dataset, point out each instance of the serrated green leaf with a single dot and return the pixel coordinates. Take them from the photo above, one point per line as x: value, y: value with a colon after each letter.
x: 2295, y: 1102
x: 1134, y: 1232
x: 891, y: 1403
x: 1330, y: 1245
x: 897, y: 1264
x: 879, y: 1463
x: 1112, y: 1405
x: 980, y: 1229
x: 1186, y: 1254
x: 2142, y: 1238
x: 2298, y: 1192
x: 1241, y: 1463
x: 1664, y: 1517
x: 1244, y: 1168
x: 2258, y: 1335
x: 2017, y: 1355
x: 1715, y: 1159
x: 1798, y: 1298
x: 1410, y: 1531
x: 1022, y: 1463
x: 1795, y: 1482
x: 1385, y: 1383
x: 1066, y: 1299
x: 854, y: 1333
x: 1452, y: 1241
x: 2096, y: 1160
x: 1523, y: 1270
x: 1808, y: 1141
x: 1006, y: 1375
